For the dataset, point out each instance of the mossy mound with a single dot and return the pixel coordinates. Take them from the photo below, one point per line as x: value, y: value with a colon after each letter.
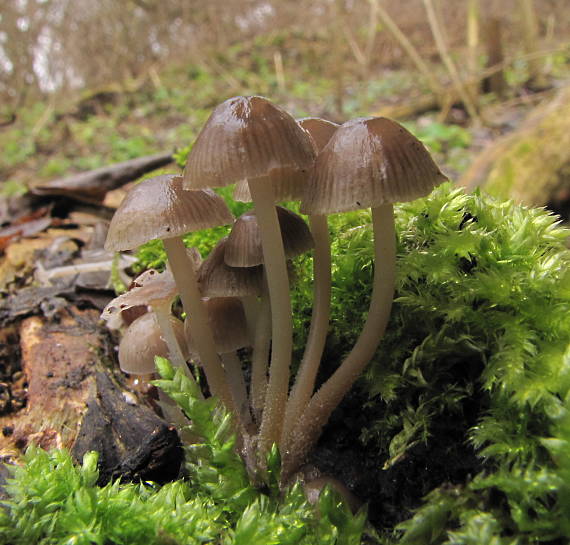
x: 531, y: 165
x: 459, y: 432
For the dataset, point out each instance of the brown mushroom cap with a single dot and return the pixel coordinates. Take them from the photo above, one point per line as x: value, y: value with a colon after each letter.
x: 243, y: 247
x: 369, y: 162
x: 149, y: 288
x: 160, y: 208
x: 249, y: 137
x: 143, y: 341
x: 319, y: 129
x: 228, y: 323
x: 217, y: 279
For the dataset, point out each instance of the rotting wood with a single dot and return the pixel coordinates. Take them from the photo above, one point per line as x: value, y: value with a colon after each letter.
x: 132, y: 442
x: 76, y: 402
x: 92, y: 186
x: 530, y: 165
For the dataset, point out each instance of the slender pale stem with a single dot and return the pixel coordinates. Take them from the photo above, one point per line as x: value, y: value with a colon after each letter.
x: 251, y: 310
x: 305, y: 380
x: 322, y: 404
x: 260, y: 356
x: 232, y: 366
x: 263, y: 198
x: 187, y: 284
x: 162, y: 313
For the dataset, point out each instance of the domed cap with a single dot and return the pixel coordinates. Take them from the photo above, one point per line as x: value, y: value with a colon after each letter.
x: 249, y: 137
x: 228, y: 323
x: 216, y: 279
x: 243, y: 247
x: 160, y: 208
x: 368, y: 162
x: 142, y: 341
x: 319, y: 129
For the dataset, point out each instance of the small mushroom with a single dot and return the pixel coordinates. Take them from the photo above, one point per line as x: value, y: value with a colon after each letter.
x: 140, y: 344
x: 156, y: 290
x: 368, y: 162
x: 143, y: 340
x: 244, y: 249
x: 166, y: 211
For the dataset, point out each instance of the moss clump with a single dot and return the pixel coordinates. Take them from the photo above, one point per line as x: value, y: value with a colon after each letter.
x: 474, y: 370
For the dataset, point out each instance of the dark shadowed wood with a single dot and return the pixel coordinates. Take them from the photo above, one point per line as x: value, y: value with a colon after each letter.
x: 76, y: 401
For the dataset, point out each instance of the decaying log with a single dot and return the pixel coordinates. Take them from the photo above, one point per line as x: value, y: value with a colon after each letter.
x: 92, y: 186
x: 75, y: 401
x: 410, y: 108
x: 132, y: 442
x: 530, y: 165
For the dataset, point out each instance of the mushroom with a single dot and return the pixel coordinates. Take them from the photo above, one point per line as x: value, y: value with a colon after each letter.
x: 321, y: 132
x: 156, y: 290
x: 166, y: 211
x: 228, y: 324
x: 248, y: 138
x: 368, y: 162
x: 244, y: 249
x: 140, y: 344
x: 143, y: 340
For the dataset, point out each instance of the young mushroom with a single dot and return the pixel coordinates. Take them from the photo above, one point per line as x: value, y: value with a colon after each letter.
x: 369, y: 162
x: 228, y: 324
x: 159, y: 208
x: 156, y: 290
x: 248, y: 138
x: 244, y: 249
x: 141, y: 342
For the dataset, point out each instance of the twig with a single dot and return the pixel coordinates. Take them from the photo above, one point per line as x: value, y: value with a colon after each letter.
x: 409, y: 48
x: 449, y: 64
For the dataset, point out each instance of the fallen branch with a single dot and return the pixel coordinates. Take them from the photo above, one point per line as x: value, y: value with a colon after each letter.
x: 92, y: 186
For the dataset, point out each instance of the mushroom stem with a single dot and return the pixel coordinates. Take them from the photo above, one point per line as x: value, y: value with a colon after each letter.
x: 275, y: 263
x: 305, y: 380
x: 261, y: 344
x: 232, y: 366
x: 185, y: 278
x: 322, y: 404
x: 175, y: 354
x: 251, y: 310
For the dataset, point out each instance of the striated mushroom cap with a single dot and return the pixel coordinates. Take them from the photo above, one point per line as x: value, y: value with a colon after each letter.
x: 319, y: 129
x: 368, y: 162
x: 228, y: 323
x: 142, y: 341
x: 150, y: 288
x: 217, y: 279
x: 160, y: 208
x: 243, y: 247
x: 249, y: 137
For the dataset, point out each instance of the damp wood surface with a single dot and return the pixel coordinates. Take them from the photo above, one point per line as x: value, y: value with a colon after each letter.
x: 75, y: 401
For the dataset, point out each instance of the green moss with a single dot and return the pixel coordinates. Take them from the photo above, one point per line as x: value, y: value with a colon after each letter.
x: 531, y: 165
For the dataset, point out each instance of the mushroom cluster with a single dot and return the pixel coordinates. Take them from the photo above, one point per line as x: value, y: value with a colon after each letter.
x: 239, y: 297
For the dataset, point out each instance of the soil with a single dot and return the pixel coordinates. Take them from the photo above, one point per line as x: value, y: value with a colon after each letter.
x: 392, y: 494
